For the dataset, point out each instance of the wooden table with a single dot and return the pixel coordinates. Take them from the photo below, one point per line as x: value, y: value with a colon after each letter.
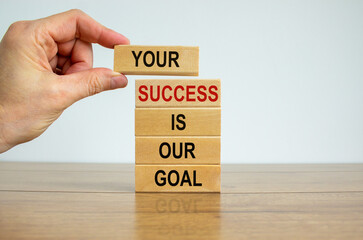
x: 97, y: 201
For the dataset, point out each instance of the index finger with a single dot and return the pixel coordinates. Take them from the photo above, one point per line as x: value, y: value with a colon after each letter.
x: 72, y: 24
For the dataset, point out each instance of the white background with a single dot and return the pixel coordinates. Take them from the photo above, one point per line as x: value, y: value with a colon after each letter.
x: 292, y: 78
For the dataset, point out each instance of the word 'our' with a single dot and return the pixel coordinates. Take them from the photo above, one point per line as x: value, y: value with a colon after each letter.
x: 166, y: 150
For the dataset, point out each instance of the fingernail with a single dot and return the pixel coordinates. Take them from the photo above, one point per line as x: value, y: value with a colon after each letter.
x: 114, y: 74
x: 118, y: 81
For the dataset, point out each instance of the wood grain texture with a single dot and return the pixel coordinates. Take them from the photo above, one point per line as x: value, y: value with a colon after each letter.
x: 177, y: 150
x: 158, y: 121
x: 93, y: 216
x: 177, y: 178
x: 236, y: 179
x: 178, y: 93
x: 97, y: 201
x: 150, y: 60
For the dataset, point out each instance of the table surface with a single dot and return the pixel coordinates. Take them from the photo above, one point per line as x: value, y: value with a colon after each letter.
x: 97, y: 201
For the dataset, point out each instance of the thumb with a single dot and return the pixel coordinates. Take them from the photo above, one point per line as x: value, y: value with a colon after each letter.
x: 90, y: 82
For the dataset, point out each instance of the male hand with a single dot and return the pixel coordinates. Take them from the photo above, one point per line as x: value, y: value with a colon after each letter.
x: 46, y: 66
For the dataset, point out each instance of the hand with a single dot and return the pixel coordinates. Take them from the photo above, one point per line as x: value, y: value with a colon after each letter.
x: 46, y: 66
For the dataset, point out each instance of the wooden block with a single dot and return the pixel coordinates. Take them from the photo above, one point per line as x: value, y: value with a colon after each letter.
x: 156, y: 60
x: 177, y: 150
x: 177, y: 178
x: 178, y: 93
x: 177, y: 121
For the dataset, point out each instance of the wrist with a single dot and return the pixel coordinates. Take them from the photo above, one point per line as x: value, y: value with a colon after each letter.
x: 4, y: 146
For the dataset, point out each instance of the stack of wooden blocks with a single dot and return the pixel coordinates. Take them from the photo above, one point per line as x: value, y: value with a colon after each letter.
x: 177, y: 121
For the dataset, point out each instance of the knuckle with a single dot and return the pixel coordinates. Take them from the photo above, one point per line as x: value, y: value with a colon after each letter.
x: 42, y: 38
x: 76, y: 11
x: 17, y: 25
x: 14, y: 34
x: 95, y: 84
x: 76, y: 14
x: 16, y: 30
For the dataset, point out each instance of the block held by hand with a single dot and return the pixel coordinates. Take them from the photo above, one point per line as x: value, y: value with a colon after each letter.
x: 156, y: 60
